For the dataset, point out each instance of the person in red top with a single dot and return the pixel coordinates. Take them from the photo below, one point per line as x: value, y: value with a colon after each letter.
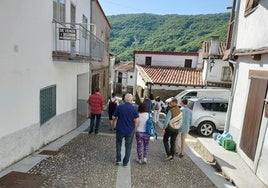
x: 96, y: 103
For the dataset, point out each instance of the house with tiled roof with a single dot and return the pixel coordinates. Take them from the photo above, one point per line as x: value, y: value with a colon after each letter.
x: 124, y: 80
x: 166, y: 73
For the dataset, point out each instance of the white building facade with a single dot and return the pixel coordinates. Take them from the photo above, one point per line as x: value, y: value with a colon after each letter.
x: 249, y: 111
x: 173, y: 59
x: 46, y: 57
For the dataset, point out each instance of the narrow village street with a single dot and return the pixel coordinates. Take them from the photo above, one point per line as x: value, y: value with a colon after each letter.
x: 88, y: 161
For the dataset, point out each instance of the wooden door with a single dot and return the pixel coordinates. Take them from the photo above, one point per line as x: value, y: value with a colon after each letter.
x: 95, y: 83
x: 253, y: 115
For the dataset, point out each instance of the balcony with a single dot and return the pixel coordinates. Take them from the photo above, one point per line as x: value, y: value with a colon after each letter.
x: 74, y: 42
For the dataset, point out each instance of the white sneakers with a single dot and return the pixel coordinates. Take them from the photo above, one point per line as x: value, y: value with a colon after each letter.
x: 145, y: 161
x: 140, y: 161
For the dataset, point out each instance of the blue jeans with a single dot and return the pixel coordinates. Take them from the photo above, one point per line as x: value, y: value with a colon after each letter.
x: 128, y: 145
x: 92, y: 122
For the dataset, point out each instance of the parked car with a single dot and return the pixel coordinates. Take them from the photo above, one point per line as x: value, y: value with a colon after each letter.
x: 208, y: 114
x: 202, y: 93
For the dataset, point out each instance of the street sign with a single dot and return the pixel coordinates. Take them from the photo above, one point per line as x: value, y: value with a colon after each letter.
x: 67, y: 34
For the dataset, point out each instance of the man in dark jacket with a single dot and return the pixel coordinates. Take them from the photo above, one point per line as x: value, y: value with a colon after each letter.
x: 148, y: 103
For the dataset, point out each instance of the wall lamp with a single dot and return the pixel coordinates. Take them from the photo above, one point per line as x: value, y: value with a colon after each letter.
x: 211, y: 64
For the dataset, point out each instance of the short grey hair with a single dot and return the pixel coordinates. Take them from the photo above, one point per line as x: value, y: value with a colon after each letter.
x: 128, y: 97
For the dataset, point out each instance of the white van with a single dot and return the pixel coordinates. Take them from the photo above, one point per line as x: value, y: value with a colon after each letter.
x: 202, y: 93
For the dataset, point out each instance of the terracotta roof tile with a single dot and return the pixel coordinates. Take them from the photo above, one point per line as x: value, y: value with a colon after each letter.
x: 171, y: 75
x: 124, y: 67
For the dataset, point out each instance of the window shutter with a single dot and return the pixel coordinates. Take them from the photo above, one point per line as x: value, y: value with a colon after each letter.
x: 250, y: 6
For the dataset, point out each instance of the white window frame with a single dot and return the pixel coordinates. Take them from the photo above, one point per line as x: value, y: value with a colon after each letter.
x: 59, y: 10
x: 226, y: 74
x: 85, y: 25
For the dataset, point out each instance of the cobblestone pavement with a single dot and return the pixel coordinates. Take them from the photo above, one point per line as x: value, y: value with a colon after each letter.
x: 88, y: 161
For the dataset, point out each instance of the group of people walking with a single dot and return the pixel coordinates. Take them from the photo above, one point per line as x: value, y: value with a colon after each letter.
x: 131, y: 121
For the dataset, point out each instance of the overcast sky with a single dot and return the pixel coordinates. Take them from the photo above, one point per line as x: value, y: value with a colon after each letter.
x: 183, y: 7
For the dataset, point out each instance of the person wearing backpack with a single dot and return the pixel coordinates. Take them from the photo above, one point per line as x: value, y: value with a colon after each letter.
x: 142, y: 137
x: 169, y: 133
x: 157, y: 107
x: 149, y: 104
x: 112, y: 105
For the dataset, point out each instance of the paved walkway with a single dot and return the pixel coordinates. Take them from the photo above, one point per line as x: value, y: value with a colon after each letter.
x: 88, y: 161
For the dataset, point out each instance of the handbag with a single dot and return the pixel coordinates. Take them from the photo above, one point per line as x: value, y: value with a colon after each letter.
x: 176, y: 122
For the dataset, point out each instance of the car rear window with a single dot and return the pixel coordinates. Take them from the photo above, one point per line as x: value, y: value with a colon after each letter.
x: 190, y: 105
x: 219, y: 107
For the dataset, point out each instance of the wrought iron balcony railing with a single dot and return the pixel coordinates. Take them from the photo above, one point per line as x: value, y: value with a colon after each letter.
x: 75, y: 42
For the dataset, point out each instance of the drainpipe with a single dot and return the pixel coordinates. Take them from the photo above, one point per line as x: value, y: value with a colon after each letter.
x: 90, y: 50
x: 206, y: 76
x: 109, y: 92
x: 236, y: 68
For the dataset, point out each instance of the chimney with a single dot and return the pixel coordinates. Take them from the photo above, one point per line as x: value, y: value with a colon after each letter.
x: 214, y: 46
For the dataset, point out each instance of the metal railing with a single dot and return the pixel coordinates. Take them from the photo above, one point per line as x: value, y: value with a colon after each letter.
x: 74, y: 41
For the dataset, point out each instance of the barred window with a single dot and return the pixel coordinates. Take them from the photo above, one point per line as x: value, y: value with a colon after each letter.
x: 47, y: 103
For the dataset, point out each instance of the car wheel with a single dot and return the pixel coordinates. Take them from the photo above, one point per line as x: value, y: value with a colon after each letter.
x: 206, y: 128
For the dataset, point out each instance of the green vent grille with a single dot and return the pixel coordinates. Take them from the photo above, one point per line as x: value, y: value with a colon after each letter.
x: 47, y: 103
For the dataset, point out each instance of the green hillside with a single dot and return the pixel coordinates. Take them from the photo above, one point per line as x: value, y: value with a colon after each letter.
x: 165, y: 33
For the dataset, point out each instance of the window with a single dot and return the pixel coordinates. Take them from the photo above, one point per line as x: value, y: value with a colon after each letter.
x: 131, y: 76
x: 59, y: 12
x: 226, y: 74
x: 190, y: 95
x: 217, y: 107
x: 251, y: 6
x: 148, y: 61
x: 47, y: 103
x: 188, y: 63
x: 190, y: 105
x: 120, y: 77
x: 85, y: 24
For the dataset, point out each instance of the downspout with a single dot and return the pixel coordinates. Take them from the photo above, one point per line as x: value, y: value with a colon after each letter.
x: 90, y: 50
x: 206, y: 76
x: 236, y: 67
x: 109, y: 92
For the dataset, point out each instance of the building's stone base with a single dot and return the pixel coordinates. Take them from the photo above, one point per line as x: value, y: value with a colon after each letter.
x: 25, y: 141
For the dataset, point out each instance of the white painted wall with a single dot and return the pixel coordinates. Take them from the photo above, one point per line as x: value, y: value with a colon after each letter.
x: 140, y: 81
x: 215, y: 75
x: 251, y: 35
x: 130, y: 78
x: 166, y: 60
x: 238, y: 112
x: 26, y: 66
x: 262, y: 152
x: 253, y: 29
